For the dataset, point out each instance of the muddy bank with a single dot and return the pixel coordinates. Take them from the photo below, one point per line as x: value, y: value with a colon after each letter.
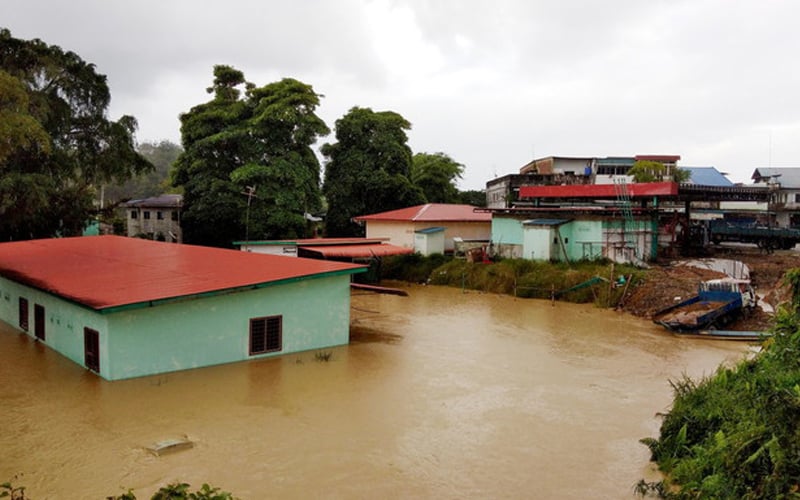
x: 668, y: 282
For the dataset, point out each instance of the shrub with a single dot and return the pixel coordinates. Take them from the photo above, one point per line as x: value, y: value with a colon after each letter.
x: 737, y: 434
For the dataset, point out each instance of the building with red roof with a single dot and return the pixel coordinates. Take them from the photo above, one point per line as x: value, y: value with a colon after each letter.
x: 128, y: 307
x: 401, y: 226
x: 325, y: 248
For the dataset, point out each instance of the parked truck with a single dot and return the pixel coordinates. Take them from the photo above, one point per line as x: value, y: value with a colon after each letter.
x: 717, y: 303
x: 766, y: 237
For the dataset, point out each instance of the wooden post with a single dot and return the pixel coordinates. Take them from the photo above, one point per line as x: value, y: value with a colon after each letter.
x: 610, y: 286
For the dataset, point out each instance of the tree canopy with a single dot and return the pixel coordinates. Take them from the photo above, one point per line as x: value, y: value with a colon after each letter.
x: 368, y: 169
x: 436, y: 174
x: 56, y: 141
x: 653, y: 171
x: 249, y: 140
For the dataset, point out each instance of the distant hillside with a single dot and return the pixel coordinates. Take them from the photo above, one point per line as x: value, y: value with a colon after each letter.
x: 162, y: 155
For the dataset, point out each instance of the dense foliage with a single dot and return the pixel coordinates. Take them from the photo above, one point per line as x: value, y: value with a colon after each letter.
x: 737, y: 434
x: 653, y: 171
x: 248, y: 169
x: 57, y: 144
x: 367, y: 170
x: 474, y: 197
x: 436, y: 174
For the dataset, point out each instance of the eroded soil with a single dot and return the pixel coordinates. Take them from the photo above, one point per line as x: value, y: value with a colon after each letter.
x: 668, y: 282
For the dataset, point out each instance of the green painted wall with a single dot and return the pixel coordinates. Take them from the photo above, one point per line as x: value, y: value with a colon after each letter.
x: 215, y: 330
x: 192, y: 333
x: 506, y: 230
x: 64, y: 321
x: 583, y: 239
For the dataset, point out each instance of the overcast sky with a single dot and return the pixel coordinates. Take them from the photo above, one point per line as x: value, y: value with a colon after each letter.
x: 493, y: 84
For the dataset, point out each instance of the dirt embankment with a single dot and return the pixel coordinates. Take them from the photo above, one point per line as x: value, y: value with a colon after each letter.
x: 668, y: 282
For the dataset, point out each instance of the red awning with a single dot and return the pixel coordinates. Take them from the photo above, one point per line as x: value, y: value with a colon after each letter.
x: 354, y: 251
x: 634, y: 190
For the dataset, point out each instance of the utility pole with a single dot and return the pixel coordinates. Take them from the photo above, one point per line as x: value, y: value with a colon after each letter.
x: 250, y: 192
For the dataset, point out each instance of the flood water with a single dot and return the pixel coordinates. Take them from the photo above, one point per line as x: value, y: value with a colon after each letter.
x: 442, y: 394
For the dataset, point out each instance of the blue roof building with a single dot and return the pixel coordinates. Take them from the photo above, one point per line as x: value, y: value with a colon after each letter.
x: 707, y: 176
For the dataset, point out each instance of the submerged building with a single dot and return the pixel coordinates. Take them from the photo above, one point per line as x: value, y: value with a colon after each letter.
x: 128, y: 307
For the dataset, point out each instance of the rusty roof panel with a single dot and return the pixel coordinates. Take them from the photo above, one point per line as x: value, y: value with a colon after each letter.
x: 103, y: 272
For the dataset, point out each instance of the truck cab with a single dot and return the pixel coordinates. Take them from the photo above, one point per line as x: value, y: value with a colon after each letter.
x: 724, y: 289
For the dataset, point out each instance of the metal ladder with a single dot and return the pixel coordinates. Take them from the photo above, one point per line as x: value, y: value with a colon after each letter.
x: 624, y: 201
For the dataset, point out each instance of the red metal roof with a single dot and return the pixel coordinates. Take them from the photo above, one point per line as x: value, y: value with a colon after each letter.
x: 635, y: 190
x: 103, y: 272
x: 357, y: 251
x: 431, y: 212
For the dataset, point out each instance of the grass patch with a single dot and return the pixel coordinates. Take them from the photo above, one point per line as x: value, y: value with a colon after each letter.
x: 535, y: 279
x: 414, y: 268
x: 323, y: 356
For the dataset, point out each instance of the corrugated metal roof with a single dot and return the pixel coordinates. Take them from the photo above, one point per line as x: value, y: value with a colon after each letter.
x: 707, y: 176
x: 165, y: 200
x: 431, y: 212
x: 635, y: 190
x: 104, y: 272
x: 357, y: 251
x: 787, y: 177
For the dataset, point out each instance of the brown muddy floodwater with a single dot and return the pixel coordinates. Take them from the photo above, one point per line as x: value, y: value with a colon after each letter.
x: 442, y: 394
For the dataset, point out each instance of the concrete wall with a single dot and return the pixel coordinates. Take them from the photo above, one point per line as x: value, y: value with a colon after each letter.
x: 192, y: 333
x: 153, y: 226
x: 498, y: 192
x: 583, y: 239
x: 401, y: 233
x: 630, y: 242
x: 506, y: 230
x: 507, y: 237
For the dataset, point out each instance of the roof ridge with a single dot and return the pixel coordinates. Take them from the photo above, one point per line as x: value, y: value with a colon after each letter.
x: 421, y: 211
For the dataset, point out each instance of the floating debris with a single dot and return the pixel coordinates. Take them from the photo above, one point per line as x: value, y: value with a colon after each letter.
x: 170, y: 446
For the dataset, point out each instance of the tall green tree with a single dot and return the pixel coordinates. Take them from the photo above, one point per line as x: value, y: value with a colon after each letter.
x: 436, y: 174
x: 367, y: 170
x: 653, y: 171
x: 474, y: 197
x: 56, y: 141
x: 249, y: 140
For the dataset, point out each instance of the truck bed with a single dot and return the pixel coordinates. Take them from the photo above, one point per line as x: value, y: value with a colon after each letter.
x: 689, y: 314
